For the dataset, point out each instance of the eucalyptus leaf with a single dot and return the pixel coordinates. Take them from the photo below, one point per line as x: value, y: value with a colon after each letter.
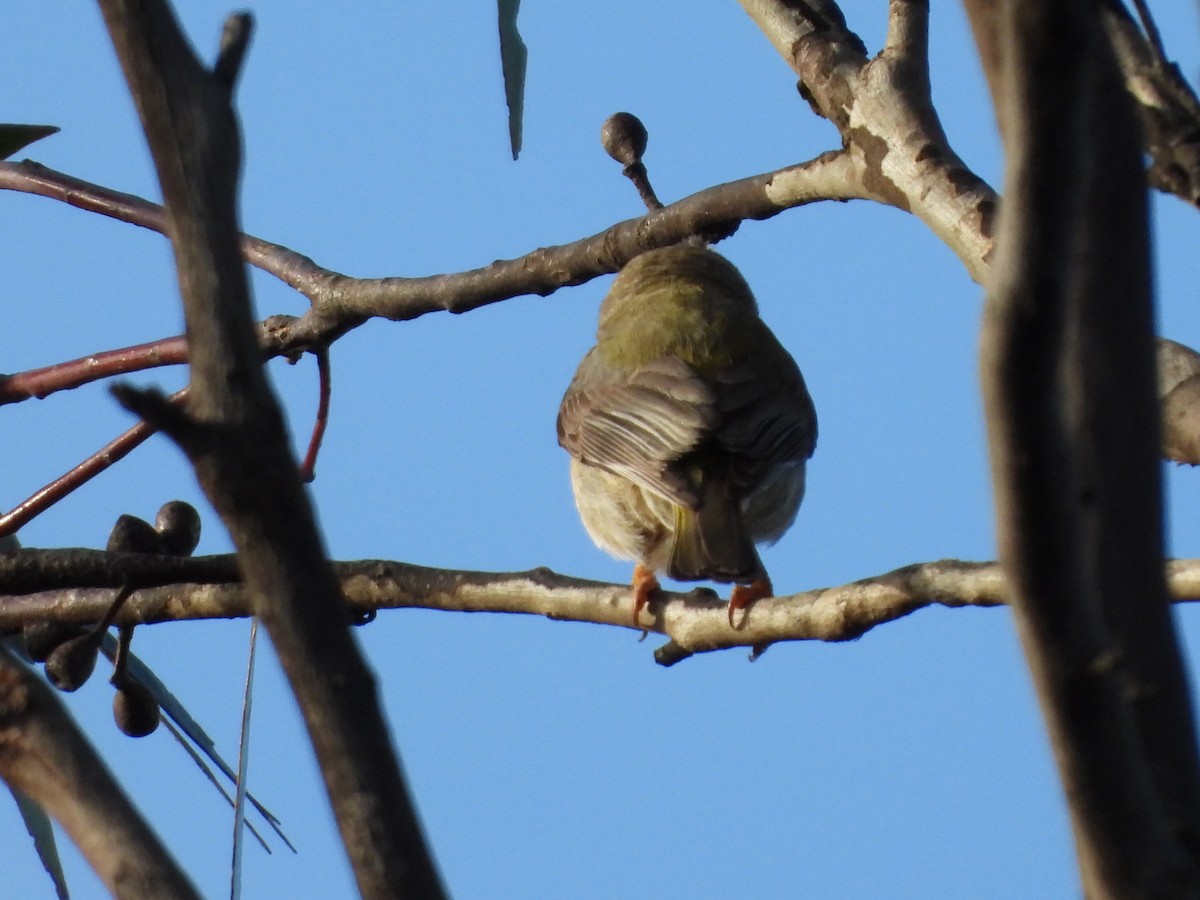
x: 176, y: 712
x: 239, y: 807
x: 513, y: 57
x: 38, y: 824
x: 16, y: 137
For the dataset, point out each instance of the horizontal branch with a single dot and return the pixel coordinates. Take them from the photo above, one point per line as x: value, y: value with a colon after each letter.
x: 76, y: 586
x: 340, y: 302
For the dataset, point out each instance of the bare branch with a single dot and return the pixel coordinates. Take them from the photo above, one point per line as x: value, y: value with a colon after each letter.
x: 74, y: 586
x: 1167, y: 105
x: 1067, y: 357
x: 340, y: 302
x: 111, y: 453
x: 885, y: 114
x: 41, y: 383
x: 1179, y: 396
x: 44, y: 755
x: 234, y: 435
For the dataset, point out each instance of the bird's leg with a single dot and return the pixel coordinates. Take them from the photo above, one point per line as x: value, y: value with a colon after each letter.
x: 645, y: 583
x: 745, y: 594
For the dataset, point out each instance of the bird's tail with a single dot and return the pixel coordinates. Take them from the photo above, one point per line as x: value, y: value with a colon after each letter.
x: 710, y: 542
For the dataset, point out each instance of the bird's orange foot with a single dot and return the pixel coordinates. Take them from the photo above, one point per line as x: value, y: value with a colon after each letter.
x: 745, y: 594
x: 645, y: 583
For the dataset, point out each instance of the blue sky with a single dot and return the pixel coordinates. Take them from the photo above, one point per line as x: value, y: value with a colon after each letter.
x: 557, y: 760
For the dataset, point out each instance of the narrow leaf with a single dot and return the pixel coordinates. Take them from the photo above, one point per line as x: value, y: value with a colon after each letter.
x: 204, y: 767
x: 17, y: 137
x: 239, y: 807
x: 176, y: 712
x: 37, y: 823
x: 513, y: 57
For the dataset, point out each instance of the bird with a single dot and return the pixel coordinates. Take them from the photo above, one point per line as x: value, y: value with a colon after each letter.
x: 689, y: 427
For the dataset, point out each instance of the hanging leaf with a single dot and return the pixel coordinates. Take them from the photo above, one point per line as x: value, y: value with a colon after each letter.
x: 174, y: 711
x: 206, y: 769
x: 239, y: 806
x: 513, y: 57
x: 16, y: 137
x: 37, y: 823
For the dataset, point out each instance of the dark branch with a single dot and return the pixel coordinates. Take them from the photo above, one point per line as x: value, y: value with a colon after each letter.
x: 44, y: 755
x: 235, y: 438
x: 1067, y: 357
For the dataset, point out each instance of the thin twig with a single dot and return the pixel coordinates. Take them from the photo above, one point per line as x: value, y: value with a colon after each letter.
x: 112, y: 452
x: 308, y: 468
x: 43, y: 382
x: 1153, y: 37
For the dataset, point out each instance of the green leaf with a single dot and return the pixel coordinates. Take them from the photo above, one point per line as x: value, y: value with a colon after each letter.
x: 175, y: 711
x: 513, y: 57
x: 37, y: 823
x: 15, y: 137
x: 239, y: 806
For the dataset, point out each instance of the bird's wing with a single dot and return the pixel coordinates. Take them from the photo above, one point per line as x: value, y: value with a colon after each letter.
x: 638, y: 425
x: 767, y: 417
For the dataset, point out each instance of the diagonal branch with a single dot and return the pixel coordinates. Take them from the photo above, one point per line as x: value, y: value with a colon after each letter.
x: 1167, y: 105
x: 340, y: 302
x: 234, y: 435
x: 45, y: 756
x: 884, y: 112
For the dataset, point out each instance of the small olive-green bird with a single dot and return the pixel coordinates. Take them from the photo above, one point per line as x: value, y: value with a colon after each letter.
x: 689, y: 426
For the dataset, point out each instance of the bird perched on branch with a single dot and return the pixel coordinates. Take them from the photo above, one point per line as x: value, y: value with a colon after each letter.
x: 688, y: 426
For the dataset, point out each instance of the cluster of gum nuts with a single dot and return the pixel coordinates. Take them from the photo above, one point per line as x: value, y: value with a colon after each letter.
x: 69, y: 652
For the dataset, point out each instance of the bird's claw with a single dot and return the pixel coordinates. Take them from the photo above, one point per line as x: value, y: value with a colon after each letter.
x: 745, y: 594
x: 645, y: 583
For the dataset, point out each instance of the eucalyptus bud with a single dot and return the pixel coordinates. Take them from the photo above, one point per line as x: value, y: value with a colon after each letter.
x: 135, y: 710
x: 133, y: 535
x: 71, y: 663
x: 624, y: 138
x: 41, y: 638
x: 178, y: 525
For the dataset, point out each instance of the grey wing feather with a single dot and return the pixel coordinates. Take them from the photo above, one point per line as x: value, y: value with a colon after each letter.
x: 637, y: 426
x: 766, y: 421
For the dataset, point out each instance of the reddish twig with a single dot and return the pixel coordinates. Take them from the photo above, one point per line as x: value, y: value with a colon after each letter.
x: 308, y: 467
x: 63, y: 376
x: 117, y: 449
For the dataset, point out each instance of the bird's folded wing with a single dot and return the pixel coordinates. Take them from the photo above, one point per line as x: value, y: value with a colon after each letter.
x: 767, y: 419
x: 638, y: 425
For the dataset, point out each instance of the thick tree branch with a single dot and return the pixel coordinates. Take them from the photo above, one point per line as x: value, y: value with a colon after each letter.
x: 234, y: 435
x: 1167, y: 105
x: 884, y: 112
x: 1067, y: 359
x: 44, y: 755
x: 75, y: 586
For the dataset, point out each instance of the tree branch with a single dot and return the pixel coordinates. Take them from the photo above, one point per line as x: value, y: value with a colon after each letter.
x: 1067, y: 359
x: 234, y: 435
x: 75, y: 586
x: 340, y: 302
x: 1166, y: 103
x: 883, y: 110
x: 44, y: 755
